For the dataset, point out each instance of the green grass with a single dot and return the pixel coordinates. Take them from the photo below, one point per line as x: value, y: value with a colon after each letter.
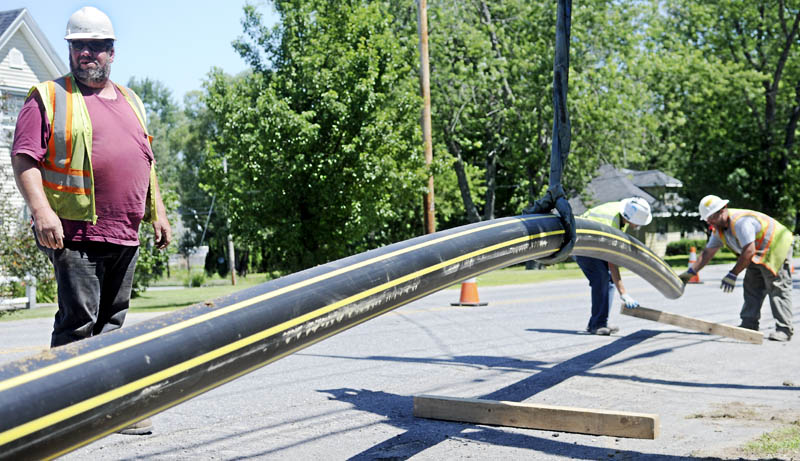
x: 214, y: 287
x: 518, y: 275
x: 680, y: 263
x: 155, y: 301
x: 22, y: 314
x: 783, y: 443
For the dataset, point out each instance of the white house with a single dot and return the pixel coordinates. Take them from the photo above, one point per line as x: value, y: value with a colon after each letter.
x: 26, y: 58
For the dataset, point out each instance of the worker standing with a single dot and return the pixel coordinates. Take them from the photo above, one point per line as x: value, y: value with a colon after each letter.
x: 629, y: 213
x: 83, y: 163
x: 764, y: 249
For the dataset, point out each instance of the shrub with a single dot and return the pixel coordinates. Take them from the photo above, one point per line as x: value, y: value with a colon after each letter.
x: 682, y: 246
x: 195, y: 280
x: 20, y: 258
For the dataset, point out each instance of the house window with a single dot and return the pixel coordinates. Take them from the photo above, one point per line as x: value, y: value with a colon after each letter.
x: 15, y: 59
x: 10, y: 105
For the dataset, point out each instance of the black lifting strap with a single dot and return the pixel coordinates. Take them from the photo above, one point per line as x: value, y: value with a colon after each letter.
x: 555, y: 197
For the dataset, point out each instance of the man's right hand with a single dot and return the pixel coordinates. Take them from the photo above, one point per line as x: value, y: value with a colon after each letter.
x: 687, y: 275
x: 47, y: 226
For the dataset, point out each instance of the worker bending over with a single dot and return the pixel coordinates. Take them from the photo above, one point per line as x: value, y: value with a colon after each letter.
x: 631, y: 212
x: 764, y: 247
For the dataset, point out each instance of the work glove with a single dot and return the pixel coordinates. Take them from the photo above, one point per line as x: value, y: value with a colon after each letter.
x: 629, y: 302
x: 687, y: 275
x: 728, y: 282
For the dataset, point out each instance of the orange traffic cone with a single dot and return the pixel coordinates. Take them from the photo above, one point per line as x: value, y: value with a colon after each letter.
x: 692, y: 260
x: 469, y: 294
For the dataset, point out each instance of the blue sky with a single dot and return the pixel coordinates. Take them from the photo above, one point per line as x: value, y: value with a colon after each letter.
x: 173, y: 41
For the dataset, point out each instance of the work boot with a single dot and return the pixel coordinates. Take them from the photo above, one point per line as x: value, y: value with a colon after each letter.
x: 604, y: 331
x: 142, y: 427
x: 780, y: 336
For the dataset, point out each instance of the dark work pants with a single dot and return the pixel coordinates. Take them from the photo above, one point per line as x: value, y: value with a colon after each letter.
x: 94, y: 288
x: 759, y: 283
x: 596, y: 270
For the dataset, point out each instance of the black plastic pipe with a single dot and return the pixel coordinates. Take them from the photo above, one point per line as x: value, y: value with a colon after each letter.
x: 69, y: 396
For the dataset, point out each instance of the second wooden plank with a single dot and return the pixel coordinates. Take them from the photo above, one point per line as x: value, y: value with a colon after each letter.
x: 719, y: 329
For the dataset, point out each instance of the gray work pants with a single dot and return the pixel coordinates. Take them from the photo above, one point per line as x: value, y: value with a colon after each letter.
x: 759, y: 283
x: 94, y: 288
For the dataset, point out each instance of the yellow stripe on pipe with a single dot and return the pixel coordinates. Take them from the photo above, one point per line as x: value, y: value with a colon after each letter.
x: 629, y: 258
x: 641, y: 248
x: 257, y: 366
x: 63, y: 365
x: 109, y: 396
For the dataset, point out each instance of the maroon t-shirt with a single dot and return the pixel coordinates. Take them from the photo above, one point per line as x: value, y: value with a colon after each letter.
x: 121, y: 159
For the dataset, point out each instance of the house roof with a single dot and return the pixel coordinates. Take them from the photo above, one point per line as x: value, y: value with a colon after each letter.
x: 612, y: 184
x: 20, y: 20
x: 7, y: 17
x: 653, y: 178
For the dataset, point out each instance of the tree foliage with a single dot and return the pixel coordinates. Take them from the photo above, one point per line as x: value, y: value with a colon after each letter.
x: 21, y: 261
x: 727, y: 74
x: 492, y: 73
x: 163, y: 122
x: 320, y: 140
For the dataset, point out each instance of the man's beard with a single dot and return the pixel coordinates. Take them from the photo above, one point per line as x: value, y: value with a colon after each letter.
x: 96, y: 75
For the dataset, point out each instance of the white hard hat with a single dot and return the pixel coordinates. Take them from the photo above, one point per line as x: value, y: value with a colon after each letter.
x: 89, y: 23
x: 709, y: 205
x: 636, y: 211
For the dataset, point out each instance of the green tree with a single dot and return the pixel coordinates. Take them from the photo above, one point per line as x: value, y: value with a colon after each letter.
x: 164, y: 120
x: 20, y: 258
x: 492, y: 73
x: 203, y: 218
x: 321, y: 140
x: 727, y: 73
x: 21, y: 261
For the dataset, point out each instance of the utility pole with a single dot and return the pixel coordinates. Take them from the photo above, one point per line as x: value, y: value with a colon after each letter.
x: 425, y: 83
x: 231, y: 255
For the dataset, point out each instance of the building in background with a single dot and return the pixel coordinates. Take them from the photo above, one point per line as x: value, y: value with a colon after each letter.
x: 26, y: 58
x: 659, y: 189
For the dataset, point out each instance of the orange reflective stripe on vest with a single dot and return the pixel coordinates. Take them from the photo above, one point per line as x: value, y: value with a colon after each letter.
x: 67, y: 168
x: 772, y: 242
x: 57, y: 171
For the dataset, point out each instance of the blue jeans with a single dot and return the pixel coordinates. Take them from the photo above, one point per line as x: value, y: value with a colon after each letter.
x: 596, y: 270
x: 94, y: 288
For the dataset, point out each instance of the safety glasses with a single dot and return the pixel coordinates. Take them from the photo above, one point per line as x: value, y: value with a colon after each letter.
x: 95, y: 46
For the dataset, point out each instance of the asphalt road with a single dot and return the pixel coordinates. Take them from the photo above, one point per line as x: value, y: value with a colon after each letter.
x: 350, y: 396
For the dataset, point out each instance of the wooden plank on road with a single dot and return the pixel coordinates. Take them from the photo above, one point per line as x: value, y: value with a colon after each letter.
x: 537, y: 416
x: 719, y: 329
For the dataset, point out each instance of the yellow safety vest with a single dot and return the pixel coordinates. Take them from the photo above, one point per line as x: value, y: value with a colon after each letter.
x: 772, y: 242
x: 67, y: 174
x: 607, y: 213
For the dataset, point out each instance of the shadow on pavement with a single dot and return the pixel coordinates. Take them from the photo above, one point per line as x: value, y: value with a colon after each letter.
x: 422, y: 434
x: 557, y: 331
x: 575, y: 366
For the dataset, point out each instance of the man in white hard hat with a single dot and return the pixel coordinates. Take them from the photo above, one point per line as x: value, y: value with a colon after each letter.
x: 83, y: 162
x: 764, y: 247
x: 628, y: 213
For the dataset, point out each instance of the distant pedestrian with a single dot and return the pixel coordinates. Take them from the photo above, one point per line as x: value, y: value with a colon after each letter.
x: 764, y: 249
x: 631, y: 212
